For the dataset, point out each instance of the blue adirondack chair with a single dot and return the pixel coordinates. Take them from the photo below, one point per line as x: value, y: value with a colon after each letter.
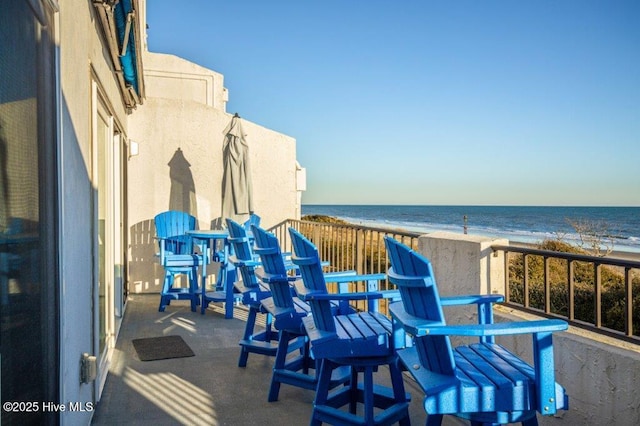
x: 224, y: 290
x: 253, y: 292
x: 481, y: 382
x: 363, y: 341
x: 254, y: 220
x: 287, y: 312
x: 177, y: 257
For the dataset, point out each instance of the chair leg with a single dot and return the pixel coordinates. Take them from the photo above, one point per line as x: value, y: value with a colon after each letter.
x: 305, y: 351
x: 248, y: 331
x: 166, y: 285
x: 229, y: 277
x: 330, y: 407
x: 322, y: 389
x: 193, y: 289
x: 353, y: 393
x: 269, y: 332
x: 293, y: 370
x: 279, y: 365
x: 368, y: 400
x: 398, y: 387
x: 434, y: 419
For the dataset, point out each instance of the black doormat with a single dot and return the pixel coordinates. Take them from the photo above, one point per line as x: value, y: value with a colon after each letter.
x: 165, y: 347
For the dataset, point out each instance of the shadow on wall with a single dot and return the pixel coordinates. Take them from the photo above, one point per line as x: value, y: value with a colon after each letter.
x: 182, y: 196
x: 145, y: 274
x: 217, y: 223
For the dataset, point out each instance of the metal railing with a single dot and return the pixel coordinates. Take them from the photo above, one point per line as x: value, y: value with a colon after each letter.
x: 348, y: 247
x: 601, y: 294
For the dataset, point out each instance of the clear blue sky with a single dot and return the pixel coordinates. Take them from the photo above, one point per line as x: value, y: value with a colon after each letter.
x: 529, y: 102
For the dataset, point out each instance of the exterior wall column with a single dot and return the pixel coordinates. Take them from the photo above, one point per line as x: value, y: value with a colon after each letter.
x: 463, y: 265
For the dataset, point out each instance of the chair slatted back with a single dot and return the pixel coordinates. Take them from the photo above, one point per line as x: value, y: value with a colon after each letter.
x: 268, y: 247
x: 307, y: 259
x: 413, y: 275
x: 254, y: 220
x: 172, y: 225
x: 241, y: 247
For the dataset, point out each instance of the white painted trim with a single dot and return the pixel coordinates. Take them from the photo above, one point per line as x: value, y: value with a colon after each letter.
x: 62, y: 353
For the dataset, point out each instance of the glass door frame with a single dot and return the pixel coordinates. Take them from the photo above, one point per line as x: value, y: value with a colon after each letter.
x: 107, y: 178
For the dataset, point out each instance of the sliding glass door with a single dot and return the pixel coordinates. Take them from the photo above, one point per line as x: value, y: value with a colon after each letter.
x: 28, y: 212
x: 108, y: 235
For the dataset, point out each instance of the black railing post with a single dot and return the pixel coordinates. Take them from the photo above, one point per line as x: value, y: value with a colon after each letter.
x: 547, y: 286
x: 507, y: 273
x: 597, y: 277
x: 525, y: 280
x: 571, y: 282
x: 628, y: 317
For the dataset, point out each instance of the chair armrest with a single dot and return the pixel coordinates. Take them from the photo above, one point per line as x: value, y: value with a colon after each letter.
x: 239, y: 263
x: 421, y: 327
x: 290, y: 266
x: 498, y: 329
x: 237, y: 240
x: 163, y: 251
x: 306, y: 294
x: 267, y: 278
x: 471, y: 299
x: 391, y: 294
x: 267, y: 250
x: 350, y: 276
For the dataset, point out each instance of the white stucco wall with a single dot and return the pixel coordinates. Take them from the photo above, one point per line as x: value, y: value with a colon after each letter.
x: 177, y: 122
x: 171, y: 77
x: 600, y: 374
x: 82, y: 59
x: 474, y: 258
x: 185, y: 109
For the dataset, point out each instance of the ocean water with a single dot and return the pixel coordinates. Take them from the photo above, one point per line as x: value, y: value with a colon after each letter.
x: 517, y: 223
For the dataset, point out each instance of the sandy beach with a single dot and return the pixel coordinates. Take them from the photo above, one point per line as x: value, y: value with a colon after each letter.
x: 615, y: 254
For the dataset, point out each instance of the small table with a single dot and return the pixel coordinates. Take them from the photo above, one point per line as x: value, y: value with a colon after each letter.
x: 207, y: 240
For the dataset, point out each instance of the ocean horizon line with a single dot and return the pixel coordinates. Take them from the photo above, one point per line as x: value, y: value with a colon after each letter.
x: 473, y: 205
x: 615, y: 226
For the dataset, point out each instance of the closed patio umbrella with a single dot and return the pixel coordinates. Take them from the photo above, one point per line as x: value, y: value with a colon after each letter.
x: 237, y: 187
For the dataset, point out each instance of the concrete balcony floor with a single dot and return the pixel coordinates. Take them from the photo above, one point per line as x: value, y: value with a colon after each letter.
x: 208, y: 388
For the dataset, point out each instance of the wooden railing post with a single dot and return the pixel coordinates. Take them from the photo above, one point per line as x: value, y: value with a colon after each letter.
x: 316, y: 235
x: 360, y: 251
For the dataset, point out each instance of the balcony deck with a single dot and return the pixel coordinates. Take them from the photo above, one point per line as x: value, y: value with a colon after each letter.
x: 208, y: 388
